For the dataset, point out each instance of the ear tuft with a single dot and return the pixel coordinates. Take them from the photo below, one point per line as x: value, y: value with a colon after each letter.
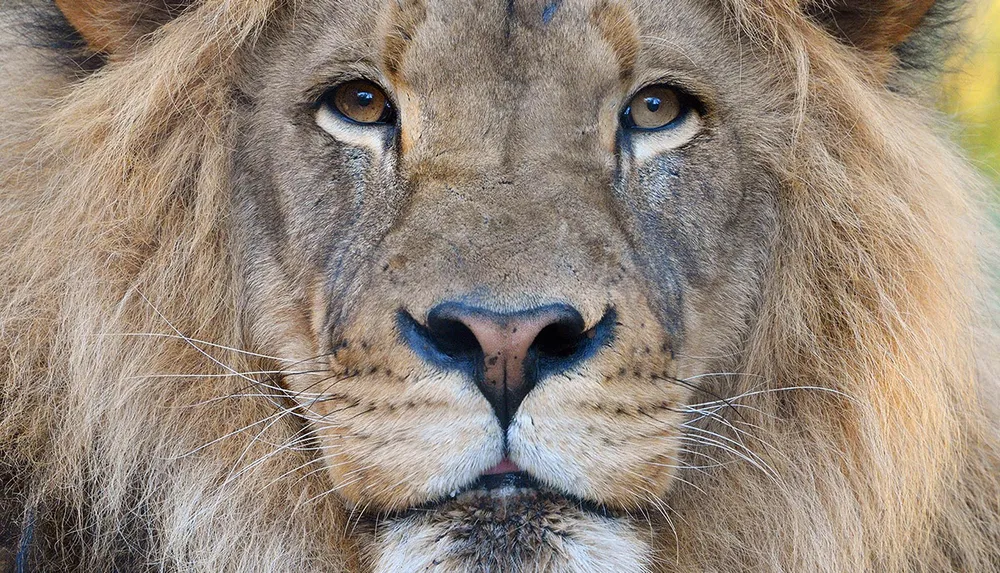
x: 116, y: 26
x: 873, y: 25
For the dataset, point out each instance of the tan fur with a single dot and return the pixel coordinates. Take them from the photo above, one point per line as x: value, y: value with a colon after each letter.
x: 879, y: 25
x: 113, y: 27
x: 620, y: 32
x: 123, y: 348
x: 123, y: 186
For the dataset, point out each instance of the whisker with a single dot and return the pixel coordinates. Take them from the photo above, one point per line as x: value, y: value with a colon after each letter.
x: 224, y: 375
x: 663, y: 509
x: 788, y: 389
x: 226, y: 436
x: 712, y: 374
x: 687, y: 384
x: 235, y: 475
x: 192, y: 344
x: 336, y: 487
x: 189, y: 340
x: 714, y: 415
x: 749, y: 456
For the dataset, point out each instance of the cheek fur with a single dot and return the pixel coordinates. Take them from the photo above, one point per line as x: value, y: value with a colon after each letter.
x: 611, y: 440
x: 394, y: 443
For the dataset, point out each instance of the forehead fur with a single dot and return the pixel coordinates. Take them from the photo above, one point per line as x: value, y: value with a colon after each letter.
x: 614, y: 21
x: 500, y: 84
x: 488, y: 39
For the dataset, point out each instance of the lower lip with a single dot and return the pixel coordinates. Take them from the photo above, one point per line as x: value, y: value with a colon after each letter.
x: 505, y: 481
x: 504, y: 467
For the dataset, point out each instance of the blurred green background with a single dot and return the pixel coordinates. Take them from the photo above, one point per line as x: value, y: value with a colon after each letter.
x: 972, y: 90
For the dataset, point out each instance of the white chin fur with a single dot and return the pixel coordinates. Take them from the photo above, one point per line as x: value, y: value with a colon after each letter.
x: 486, y: 532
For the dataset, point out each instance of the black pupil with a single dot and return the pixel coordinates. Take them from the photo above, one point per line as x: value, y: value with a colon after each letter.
x: 653, y: 103
x: 365, y: 98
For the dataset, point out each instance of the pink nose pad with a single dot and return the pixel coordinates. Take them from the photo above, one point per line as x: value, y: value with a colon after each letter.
x: 505, y: 347
x: 508, y: 347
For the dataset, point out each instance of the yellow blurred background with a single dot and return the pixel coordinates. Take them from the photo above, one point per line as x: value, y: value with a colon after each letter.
x: 972, y: 90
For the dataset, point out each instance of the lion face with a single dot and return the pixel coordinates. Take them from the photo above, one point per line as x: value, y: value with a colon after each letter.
x: 500, y: 241
x: 498, y: 285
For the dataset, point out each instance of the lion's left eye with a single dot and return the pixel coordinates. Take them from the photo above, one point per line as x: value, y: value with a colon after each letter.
x: 360, y: 101
x: 653, y: 107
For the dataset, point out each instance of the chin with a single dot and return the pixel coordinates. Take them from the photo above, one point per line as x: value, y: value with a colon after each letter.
x: 508, y: 521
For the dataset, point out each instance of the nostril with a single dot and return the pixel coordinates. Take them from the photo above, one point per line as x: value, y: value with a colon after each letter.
x: 452, y: 338
x: 561, y: 339
x: 442, y: 341
x: 565, y: 343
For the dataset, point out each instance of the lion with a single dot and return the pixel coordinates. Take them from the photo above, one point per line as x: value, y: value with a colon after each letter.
x: 503, y: 285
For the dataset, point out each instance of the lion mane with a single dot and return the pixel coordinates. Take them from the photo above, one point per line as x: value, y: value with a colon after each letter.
x: 138, y: 428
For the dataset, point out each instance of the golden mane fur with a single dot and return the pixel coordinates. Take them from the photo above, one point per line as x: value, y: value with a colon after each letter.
x: 119, y: 330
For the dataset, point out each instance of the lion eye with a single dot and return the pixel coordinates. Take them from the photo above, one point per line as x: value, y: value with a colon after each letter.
x: 654, y: 107
x: 361, y: 101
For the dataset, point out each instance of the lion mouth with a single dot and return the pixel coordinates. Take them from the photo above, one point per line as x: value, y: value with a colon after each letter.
x: 507, y: 485
x: 504, y: 522
x: 504, y: 467
x: 505, y: 478
x: 513, y: 480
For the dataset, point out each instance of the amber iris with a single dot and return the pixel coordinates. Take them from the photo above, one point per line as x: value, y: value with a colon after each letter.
x: 653, y: 107
x: 361, y: 101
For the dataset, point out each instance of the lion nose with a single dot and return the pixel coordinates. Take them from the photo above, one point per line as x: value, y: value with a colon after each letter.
x: 508, y: 353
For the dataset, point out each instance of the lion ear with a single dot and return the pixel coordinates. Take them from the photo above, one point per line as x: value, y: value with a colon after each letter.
x: 874, y: 25
x: 116, y: 26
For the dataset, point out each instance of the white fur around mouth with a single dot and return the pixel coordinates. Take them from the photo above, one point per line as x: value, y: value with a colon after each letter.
x: 519, y: 528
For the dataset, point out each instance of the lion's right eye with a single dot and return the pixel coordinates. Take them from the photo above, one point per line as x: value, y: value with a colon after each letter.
x: 360, y: 101
x: 654, y: 107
